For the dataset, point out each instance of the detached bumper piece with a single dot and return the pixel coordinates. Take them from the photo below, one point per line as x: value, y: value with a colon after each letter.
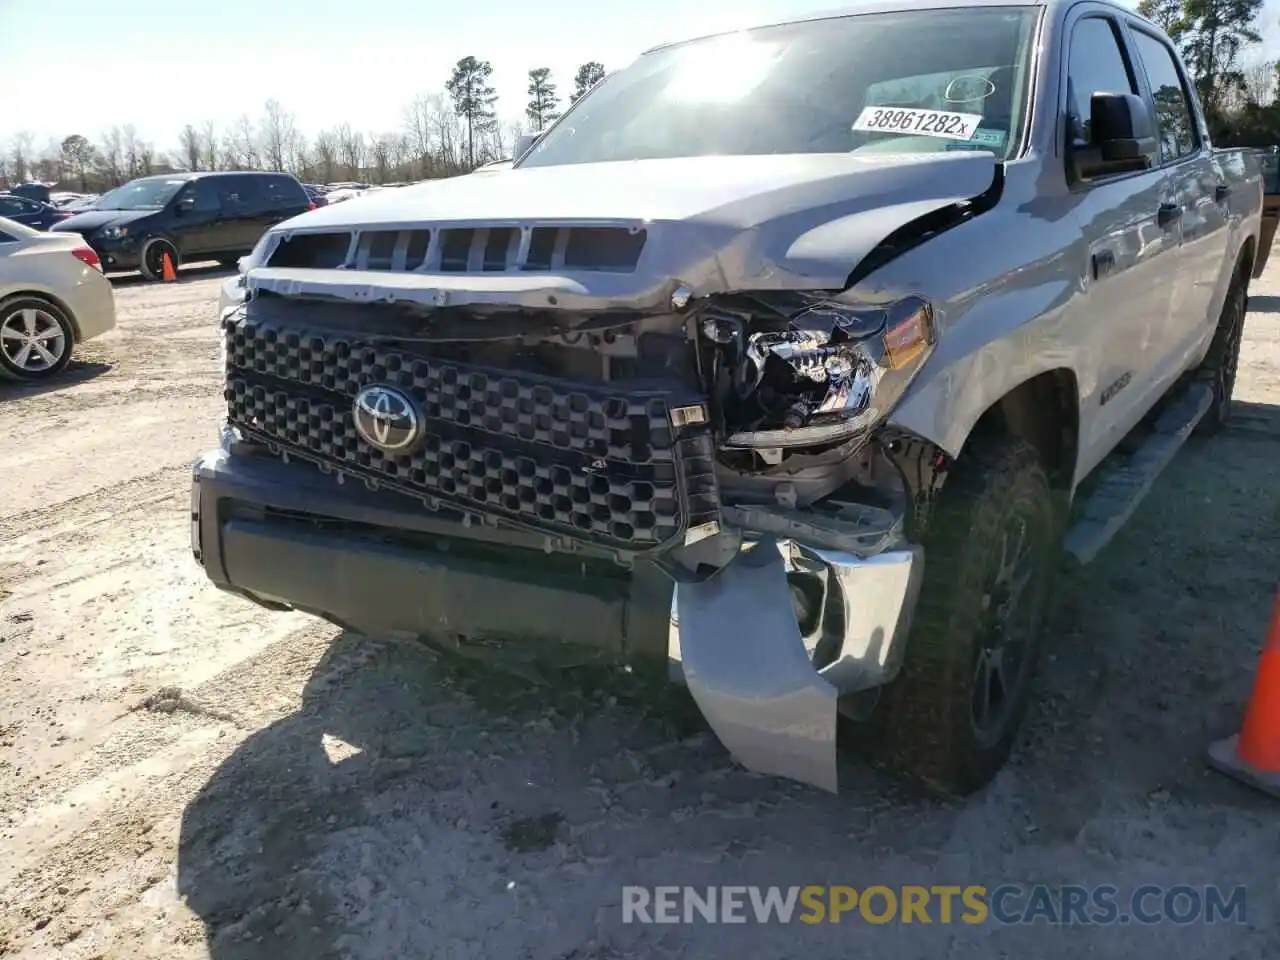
x: 769, y: 645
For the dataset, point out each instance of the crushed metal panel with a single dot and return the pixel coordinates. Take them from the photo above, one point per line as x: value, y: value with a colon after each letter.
x: 747, y: 669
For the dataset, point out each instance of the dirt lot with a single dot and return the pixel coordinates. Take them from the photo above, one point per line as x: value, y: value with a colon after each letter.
x: 184, y: 775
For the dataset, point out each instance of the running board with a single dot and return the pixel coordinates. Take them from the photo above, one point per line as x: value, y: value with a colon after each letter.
x: 1121, y: 487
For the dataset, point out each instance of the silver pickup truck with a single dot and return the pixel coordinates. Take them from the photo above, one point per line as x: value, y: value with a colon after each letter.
x: 798, y: 356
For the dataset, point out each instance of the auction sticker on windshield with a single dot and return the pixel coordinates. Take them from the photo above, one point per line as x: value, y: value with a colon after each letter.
x: 913, y: 120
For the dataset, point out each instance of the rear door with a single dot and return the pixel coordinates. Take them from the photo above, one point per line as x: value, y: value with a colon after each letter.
x: 1197, y: 193
x: 240, y: 212
x: 1130, y: 249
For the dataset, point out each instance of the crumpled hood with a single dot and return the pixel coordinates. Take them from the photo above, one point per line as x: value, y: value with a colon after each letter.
x: 715, y: 223
x: 739, y: 192
x: 92, y: 220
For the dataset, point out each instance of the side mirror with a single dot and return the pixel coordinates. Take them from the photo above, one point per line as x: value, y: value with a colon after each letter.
x: 524, y: 143
x: 1121, y: 137
x: 185, y: 204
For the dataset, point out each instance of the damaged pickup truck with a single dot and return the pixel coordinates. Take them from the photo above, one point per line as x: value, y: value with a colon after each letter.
x: 796, y: 355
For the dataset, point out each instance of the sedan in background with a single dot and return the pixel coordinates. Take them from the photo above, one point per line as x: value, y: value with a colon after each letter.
x: 35, y: 214
x: 52, y: 296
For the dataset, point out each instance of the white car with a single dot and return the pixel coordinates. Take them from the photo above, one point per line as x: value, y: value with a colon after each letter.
x: 52, y: 296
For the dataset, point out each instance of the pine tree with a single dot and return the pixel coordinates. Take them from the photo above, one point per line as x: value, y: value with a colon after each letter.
x: 588, y: 75
x: 473, y: 98
x: 542, y: 99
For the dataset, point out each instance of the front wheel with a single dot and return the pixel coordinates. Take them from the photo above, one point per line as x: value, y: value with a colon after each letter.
x: 36, y: 338
x: 990, y: 551
x: 152, y: 261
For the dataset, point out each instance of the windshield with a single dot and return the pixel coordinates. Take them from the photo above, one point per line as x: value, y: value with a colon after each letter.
x: 140, y: 195
x: 902, y: 82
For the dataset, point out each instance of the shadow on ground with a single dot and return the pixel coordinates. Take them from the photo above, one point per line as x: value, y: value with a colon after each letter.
x: 1264, y: 304
x: 188, y: 273
x: 76, y: 372
x: 412, y: 807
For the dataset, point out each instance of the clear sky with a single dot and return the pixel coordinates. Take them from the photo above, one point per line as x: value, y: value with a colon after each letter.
x: 79, y: 66
x: 161, y: 65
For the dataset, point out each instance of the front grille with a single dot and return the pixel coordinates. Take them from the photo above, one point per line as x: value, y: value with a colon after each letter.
x: 586, y: 462
x: 482, y: 249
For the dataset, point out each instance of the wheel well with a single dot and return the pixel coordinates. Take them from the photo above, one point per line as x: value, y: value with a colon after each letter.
x: 1244, y: 265
x: 1045, y: 413
x: 47, y: 298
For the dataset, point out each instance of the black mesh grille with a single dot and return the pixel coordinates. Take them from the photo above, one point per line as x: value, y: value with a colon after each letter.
x: 583, y: 461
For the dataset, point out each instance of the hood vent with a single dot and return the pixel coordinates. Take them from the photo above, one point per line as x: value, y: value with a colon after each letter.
x: 467, y: 250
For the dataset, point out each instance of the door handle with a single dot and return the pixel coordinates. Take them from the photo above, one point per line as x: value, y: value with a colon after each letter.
x: 1221, y: 192
x: 1168, y: 213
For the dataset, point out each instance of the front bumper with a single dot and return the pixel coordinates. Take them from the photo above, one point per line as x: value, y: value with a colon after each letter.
x: 290, y: 537
x: 116, y: 253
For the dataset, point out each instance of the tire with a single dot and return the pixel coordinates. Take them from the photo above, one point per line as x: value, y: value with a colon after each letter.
x: 1221, y: 362
x: 25, y: 358
x: 995, y: 526
x: 151, y: 263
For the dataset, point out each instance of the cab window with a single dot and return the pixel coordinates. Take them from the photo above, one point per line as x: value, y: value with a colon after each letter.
x: 1097, y: 64
x: 202, y: 194
x: 283, y: 193
x: 1169, y: 92
x: 239, y: 195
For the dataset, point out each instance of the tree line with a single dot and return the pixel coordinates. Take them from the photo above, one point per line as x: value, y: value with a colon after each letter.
x: 1240, y: 101
x: 443, y: 134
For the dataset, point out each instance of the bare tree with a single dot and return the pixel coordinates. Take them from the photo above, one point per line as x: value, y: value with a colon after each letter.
x: 242, y: 144
x: 209, y: 145
x: 299, y: 157
x: 277, y: 135
x: 190, y: 150
x: 1260, y: 82
x: 131, y: 149
x: 449, y: 137
x: 110, y: 156
x: 351, y: 151
x: 20, y: 150
x: 326, y: 155
x: 420, y: 127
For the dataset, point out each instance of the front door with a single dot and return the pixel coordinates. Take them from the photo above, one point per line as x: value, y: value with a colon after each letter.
x: 195, y: 219
x: 1130, y: 247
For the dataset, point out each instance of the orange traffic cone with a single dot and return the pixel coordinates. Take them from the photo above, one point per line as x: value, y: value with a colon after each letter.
x: 1253, y: 757
x: 167, y: 272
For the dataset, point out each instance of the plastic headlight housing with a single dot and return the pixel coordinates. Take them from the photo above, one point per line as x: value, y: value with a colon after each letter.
x: 115, y: 232
x: 833, y: 372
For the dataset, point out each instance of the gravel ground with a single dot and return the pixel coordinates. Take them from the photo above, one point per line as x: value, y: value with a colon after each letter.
x: 183, y: 775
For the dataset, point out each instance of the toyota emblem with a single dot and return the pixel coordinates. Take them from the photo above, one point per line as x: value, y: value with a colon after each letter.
x: 387, y: 419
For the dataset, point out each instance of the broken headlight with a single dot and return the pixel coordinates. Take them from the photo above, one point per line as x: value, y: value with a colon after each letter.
x: 802, y: 369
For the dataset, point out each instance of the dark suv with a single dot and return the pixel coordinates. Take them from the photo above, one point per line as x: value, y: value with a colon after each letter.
x: 189, y: 216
